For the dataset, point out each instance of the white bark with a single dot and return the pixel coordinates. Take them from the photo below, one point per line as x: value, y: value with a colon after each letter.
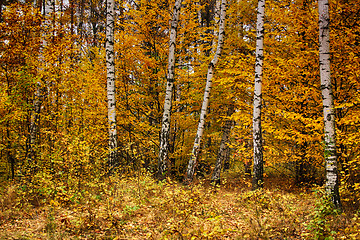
x: 332, y: 182
x: 257, y: 134
x: 49, y: 8
x: 165, y: 128
x: 217, y: 15
x: 210, y: 73
x: 110, y: 69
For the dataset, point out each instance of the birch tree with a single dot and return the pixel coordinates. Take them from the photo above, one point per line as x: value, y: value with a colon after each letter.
x: 257, y: 134
x: 332, y: 182
x: 110, y: 73
x: 165, y: 127
x: 210, y: 72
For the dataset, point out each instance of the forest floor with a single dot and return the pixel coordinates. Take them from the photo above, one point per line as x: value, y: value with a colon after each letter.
x: 139, y: 207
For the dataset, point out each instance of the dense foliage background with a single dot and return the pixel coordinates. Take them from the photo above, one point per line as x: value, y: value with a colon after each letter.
x: 53, y: 76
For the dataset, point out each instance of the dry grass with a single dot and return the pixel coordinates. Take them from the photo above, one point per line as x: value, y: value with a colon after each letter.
x: 141, y: 208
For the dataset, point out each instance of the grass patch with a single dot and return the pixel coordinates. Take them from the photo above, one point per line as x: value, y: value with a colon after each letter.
x: 142, y: 208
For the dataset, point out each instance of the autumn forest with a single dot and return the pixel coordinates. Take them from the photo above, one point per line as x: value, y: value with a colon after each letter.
x: 170, y: 119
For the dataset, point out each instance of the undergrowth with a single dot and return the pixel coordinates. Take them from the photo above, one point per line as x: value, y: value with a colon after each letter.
x: 139, y: 207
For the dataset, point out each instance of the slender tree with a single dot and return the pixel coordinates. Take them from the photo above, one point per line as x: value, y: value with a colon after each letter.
x: 34, y: 125
x: 210, y: 73
x: 224, y: 148
x: 257, y: 134
x: 165, y: 127
x: 332, y: 182
x: 110, y: 69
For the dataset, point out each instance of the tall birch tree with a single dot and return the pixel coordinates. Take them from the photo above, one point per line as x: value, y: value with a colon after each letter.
x: 332, y: 182
x: 165, y: 127
x: 257, y: 181
x: 210, y: 72
x: 110, y: 74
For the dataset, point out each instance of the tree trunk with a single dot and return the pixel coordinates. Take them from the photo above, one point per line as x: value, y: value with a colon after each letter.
x: 332, y: 182
x: 34, y: 127
x: 72, y: 20
x: 210, y: 73
x: 110, y: 72
x: 224, y: 148
x: 81, y: 19
x: 165, y: 127
x: 226, y: 159
x: 257, y: 134
x: 10, y: 158
x: 1, y: 6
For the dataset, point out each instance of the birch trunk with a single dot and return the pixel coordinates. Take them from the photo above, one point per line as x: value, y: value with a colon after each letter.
x: 110, y: 72
x: 165, y: 127
x: 257, y: 181
x: 332, y: 182
x: 195, y: 151
x: 224, y: 148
